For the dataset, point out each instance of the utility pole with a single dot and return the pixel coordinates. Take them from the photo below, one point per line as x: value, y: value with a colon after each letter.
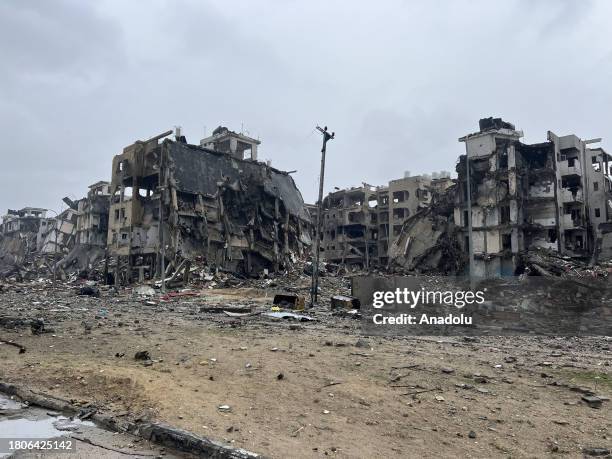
x: 469, y: 219
x: 160, y: 234
x: 315, y: 268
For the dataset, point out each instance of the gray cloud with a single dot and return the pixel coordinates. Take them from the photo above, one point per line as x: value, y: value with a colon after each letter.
x: 398, y: 81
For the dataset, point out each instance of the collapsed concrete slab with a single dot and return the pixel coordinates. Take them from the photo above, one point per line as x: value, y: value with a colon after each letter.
x: 428, y: 239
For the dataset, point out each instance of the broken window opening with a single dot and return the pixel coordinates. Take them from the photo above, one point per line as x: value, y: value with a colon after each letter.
x: 536, y: 156
x: 355, y: 217
x: 597, y: 213
x: 354, y: 233
x: 400, y: 196
x: 506, y: 241
x: 503, y: 160
x: 399, y: 213
x: 570, y: 182
x: 504, y: 214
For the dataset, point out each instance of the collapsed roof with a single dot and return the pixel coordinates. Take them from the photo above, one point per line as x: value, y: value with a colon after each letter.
x: 236, y: 214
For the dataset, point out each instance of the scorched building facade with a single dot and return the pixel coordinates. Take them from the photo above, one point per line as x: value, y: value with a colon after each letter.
x: 232, y: 213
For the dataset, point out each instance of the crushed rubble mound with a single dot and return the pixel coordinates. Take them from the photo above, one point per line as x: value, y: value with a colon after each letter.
x: 546, y: 262
x: 13, y: 251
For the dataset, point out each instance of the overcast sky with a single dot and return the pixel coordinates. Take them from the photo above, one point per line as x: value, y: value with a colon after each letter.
x: 398, y: 81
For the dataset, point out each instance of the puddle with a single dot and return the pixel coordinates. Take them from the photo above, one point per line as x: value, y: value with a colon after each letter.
x: 34, y: 424
x: 20, y: 421
x: 39, y: 428
x: 8, y: 404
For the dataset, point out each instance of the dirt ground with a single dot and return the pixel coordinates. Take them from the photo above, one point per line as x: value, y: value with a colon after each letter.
x: 306, y: 389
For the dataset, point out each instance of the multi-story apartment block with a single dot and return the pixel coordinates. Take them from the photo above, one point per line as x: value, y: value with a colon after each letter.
x: 523, y: 196
x: 92, y: 215
x: 360, y: 224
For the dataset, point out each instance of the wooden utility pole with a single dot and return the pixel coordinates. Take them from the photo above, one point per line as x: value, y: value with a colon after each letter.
x: 315, y: 268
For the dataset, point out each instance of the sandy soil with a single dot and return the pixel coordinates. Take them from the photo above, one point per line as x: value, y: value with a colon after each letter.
x: 304, y: 389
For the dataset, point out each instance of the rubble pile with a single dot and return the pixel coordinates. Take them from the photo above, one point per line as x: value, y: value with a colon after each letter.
x: 545, y: 262
x: 428, y: 242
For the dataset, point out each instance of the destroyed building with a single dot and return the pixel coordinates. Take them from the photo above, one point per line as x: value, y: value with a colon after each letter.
x: 555, y: 195
x: 60, y: 234
x: 31, y: 242
x: 91, y: 229
x: 92, y: 215
x: 20, y: 236
x: 236, y: 144
x: 349, y: 227
x: 428, y: 241
x: 231, y: 212
x: 360, y: 224
x: 24, y: 220
x: 409, y: 194
x: 552, y: 195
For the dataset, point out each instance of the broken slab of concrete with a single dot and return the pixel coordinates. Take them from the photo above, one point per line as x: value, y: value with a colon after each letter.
x: 289, y: 300
x: 428, y: 241
x: 345, y: 302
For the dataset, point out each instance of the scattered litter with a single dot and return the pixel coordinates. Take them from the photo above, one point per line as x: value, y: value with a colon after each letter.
x: 142, y: 355
x: 289, y: 315
x: 289, y: 301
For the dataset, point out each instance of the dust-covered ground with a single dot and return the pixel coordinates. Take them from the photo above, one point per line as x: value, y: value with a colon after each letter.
x: 287, y: 388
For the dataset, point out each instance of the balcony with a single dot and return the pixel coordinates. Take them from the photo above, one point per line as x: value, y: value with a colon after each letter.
x: 565, y: 169
x: 567, y: 196
x: 572, y: 223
